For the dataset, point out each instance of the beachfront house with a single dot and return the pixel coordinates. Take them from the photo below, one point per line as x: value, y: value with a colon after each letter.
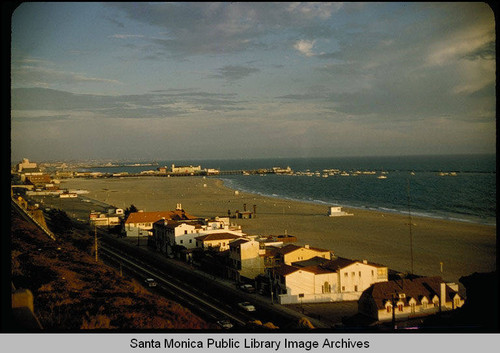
x: 246, y: 259
x: 293, y: 253
x: 409, y: 298
x: 141, y: 223
x: 110, y: 219
x: 168, y: 234
x: 322, y: 280
x: 216, y: 241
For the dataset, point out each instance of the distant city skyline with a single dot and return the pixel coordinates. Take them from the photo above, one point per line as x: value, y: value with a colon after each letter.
x: 188, y: 81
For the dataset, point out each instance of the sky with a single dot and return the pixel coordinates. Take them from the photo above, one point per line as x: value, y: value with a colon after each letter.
x: 181, y: 81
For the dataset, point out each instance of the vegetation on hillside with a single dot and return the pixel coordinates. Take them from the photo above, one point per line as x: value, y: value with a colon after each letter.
x: 72, y: 292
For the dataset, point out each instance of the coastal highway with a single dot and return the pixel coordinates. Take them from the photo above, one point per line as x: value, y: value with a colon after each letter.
x: 197, y: 301
x: 201, y: 293
x: 211, y: 298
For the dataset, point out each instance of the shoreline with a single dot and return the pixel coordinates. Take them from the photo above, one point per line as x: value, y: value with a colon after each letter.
x: 404, y: 213
x: 460, y: 248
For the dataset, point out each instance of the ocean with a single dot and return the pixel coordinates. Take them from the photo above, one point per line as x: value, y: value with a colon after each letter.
x: 458, y: 187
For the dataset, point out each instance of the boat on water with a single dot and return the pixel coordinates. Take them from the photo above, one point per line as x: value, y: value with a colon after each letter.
x: 382, y: 177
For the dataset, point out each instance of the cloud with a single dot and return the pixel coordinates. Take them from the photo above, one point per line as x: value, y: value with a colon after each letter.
x: 305, y: 47
x: 222, y: 28
x: 126, y: 36
x: 234, y: 72
x: 29, y: 73
x: 159, y: 105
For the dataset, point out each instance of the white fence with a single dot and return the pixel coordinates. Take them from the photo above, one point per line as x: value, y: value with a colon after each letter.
x: 318, y: 298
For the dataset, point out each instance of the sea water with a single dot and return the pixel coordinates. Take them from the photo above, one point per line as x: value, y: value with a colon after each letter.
x: 458, y: 187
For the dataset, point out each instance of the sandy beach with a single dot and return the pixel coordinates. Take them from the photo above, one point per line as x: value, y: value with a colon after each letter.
x: 458, y: 248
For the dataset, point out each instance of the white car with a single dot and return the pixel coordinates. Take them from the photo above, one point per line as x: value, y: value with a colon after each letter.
x: 246, y: 306
x: 225, y: 324
x: 150, y: 282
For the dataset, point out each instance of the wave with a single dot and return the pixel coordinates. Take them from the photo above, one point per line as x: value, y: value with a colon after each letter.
x: 403, y: 210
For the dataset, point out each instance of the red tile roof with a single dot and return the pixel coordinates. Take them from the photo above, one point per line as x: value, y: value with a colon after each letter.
x: 217, y: 236
x: 412, y: 288
x: 150, y: 217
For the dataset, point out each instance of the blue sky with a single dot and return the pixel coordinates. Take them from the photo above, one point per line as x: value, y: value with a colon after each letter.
x: 168, y: 81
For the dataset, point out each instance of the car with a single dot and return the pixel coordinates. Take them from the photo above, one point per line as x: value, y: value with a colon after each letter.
x: 246, y: 306
x: 225, y: 324
x: 150, y: 282
x: 247, y: 288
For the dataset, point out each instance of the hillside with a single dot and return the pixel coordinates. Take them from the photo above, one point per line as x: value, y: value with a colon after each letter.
x: 72, y: 292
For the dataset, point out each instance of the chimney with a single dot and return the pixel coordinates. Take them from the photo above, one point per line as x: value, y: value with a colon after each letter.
x: 306, y: 246
x: 179, y: 207
x: 365, y: 262
x: 442, y: 298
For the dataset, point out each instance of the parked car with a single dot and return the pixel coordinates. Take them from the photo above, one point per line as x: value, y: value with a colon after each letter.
x: 225, y: 324
x: 247, y: 288
x: 150, y: 282
x: 246, y: 306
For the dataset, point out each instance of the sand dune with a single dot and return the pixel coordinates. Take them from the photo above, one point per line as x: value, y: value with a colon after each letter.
x: 462, y: 248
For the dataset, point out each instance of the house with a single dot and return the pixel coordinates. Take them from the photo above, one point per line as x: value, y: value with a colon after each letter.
x: 110, y: 219
x: 246, y: 259
x: 219, y: 241
x: 170, y: 233
x: 293, y: 253
x: 409, y: 298
x: 321, y: 280
x: 141, y: 223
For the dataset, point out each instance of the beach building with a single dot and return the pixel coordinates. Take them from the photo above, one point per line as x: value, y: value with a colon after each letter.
x: 141, y: 223
x: 170, y: 233
x: 336, y: 211
x: 246, y: 259
x: 321, y: 280
x: 216, y: 241
x: 110, y: 219
x: 25, y: 165
x: 408, y: 298
x: 186, y: 169
x: 293, y: 253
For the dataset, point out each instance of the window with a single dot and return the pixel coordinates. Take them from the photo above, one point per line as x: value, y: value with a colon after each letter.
x: 185, y: 232
x: 373, y: 273
x: 359, y: 273
x: 326, y: 288
x: 343, y: 288
x: 400, y: 307
x: 389, y: 307
x: 346, y: 274
x: 412, y: 305
x: 352, y: 274
x: 190, y: 241
x: 355, y: 288
x: 180, y: 242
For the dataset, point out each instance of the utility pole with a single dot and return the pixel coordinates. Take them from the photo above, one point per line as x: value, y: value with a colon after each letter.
x: 410, y: 223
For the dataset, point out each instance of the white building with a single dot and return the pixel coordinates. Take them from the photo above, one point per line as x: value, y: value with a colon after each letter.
x: 186, y: 169
x: 168, y: 233
x: 322, y: 280
x: 336, y: 211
